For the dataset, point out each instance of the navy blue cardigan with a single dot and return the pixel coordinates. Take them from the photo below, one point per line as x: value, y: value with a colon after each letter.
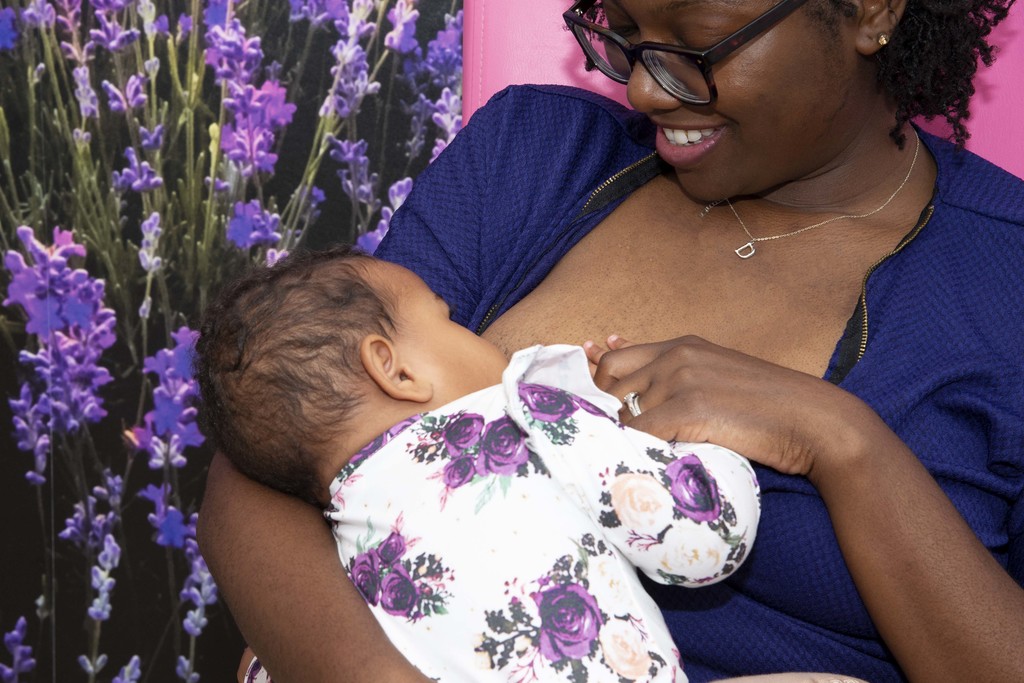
x: 935, y: 347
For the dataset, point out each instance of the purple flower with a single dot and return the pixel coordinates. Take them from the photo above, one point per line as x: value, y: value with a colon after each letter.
x: 444, y: 54
x: 150, y: 239
x: 318, y: 11
x: 398, y: 593
x: 403, y: 16
x: 356, y: 180
x: 152, y: 140
x: 171, y: 426
x: 545, y: 403
x: 130, y: 672
x: 391, y: 549
x: 570, y: 621
x: 88, y: 102
x: 65, y: 310
x: 448, y: 117
x: 216, y: 13
x: 169, y: 522
x: 365, y: 574
x: 21, y: 655
x: 502, y: 447
x: 8, y: 29
x: 133, y: 97
x: 138, y: 176
x: 39, y: 14
x: 351, y: 78
x: 111, y: 35
x: 694, y: 491
x: 459, y: 471
x: 252, y: 226
x: 102, y: 582
x: 397, y: 193
x: 152, y: 25
x: 200, y: 588
x: 463, y: 432
x: 233, y: 56
x: 31, y: 433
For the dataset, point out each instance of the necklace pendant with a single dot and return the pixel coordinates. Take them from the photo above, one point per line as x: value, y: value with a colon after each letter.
x: 746, y: 251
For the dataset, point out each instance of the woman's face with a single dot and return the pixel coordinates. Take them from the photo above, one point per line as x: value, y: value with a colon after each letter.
x: 790, y: 101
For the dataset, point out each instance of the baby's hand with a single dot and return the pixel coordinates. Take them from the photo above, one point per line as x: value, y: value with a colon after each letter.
x: 595, y: 351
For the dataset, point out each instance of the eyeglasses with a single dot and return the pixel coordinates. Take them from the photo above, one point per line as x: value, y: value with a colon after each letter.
x: 683, y: 73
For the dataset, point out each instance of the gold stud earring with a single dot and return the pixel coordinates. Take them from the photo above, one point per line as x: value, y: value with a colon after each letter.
x: 883, y: 39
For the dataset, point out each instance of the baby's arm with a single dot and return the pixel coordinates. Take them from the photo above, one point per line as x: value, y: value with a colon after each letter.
x: 684, y: 514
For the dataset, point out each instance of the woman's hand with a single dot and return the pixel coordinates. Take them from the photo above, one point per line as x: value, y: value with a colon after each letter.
x: 692, y: 390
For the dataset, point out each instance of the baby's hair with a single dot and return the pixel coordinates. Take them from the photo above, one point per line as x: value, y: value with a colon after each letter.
x: 278, y: 366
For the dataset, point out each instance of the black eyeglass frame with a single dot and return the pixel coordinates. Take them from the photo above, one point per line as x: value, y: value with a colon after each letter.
x: 702, y: 59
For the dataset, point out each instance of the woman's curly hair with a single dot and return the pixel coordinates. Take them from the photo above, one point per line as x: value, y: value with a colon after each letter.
x: 929, y: 65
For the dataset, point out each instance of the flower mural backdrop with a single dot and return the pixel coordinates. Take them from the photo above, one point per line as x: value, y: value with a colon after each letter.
x: 149, y: 150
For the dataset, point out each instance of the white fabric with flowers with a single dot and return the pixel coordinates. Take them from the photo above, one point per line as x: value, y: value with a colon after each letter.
x: 495, y: 538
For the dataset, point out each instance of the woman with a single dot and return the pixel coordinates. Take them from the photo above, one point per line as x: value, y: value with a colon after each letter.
x: 787, y: 193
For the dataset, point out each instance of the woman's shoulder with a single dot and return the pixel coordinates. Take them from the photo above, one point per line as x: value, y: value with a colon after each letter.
x: 561, y: 109
x: 977, y: 190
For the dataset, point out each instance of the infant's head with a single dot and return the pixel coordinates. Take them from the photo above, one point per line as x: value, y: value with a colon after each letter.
x: 289, y: 357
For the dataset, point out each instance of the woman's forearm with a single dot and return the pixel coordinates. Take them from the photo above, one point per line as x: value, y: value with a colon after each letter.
x: 943, y: 605
x: 277, y: 568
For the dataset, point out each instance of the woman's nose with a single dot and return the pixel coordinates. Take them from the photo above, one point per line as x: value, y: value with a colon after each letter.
x: 645, y: 94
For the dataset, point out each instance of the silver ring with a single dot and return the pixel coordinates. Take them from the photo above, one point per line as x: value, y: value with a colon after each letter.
x: 632, y: 401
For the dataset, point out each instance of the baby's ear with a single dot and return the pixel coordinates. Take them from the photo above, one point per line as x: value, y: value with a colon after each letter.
x: 385, y: 368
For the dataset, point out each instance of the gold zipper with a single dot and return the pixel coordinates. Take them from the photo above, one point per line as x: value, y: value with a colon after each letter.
x: 600, y: 188
x: 862, y: 348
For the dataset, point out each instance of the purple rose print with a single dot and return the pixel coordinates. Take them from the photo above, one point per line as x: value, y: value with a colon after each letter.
x: 547, y: 403
x: 590, y: 407
x: 458, y: 472
x: 398, y: 593
x: 569, y: 622
x: 391, y: 549
x: 502, y: 447
x: 693, y: 490
x: 365, y: 573
x: 463, y: 432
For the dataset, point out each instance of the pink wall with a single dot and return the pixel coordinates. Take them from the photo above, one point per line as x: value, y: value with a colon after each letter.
x: 525, y: 41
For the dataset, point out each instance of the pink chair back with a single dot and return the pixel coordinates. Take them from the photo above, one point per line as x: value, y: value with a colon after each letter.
x: 525, y: 41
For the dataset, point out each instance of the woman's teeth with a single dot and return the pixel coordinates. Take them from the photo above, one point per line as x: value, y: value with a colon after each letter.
x: 687, y: 137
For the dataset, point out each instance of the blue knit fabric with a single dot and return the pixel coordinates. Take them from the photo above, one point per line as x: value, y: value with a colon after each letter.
x: 943, y: 363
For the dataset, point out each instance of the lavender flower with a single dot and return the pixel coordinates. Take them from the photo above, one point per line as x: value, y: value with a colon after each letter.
x: 21, y: 655
x: 351, y: 78
x: 39, y: 14
x: 137, y: 176
x: 65, y: 310
x: 130, y: 672
x: 133, y: 97
x: 233, y: 56
x: 88, y: 528
x: 252, y: 226
x: 8, y: 29
x: 199, y: 588
x: 31, y: 433
x: 444, y: 54
x: 448, y: 117
x: 356, y: 180
x: 152, y: 25
x: 403, y: 16
x: 397, y: 193
x: 111, y: 35
x: 88, y: 103
x: 318, y: 11
x: 152, y: 140
x: 167, y: 520
x: 150, y: 240
x: 102, y: 582
x: 171, y: 426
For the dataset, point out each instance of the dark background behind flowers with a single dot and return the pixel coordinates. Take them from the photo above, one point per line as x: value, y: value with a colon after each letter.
x: 94, y: 350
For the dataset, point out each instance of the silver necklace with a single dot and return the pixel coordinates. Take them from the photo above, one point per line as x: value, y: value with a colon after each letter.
x: 748, y: 249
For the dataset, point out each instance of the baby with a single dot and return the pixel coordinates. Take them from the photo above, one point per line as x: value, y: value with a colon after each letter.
x: 491, y: 512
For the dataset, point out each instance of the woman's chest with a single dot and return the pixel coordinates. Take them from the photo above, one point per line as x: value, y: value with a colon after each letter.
x: 648, y: 283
